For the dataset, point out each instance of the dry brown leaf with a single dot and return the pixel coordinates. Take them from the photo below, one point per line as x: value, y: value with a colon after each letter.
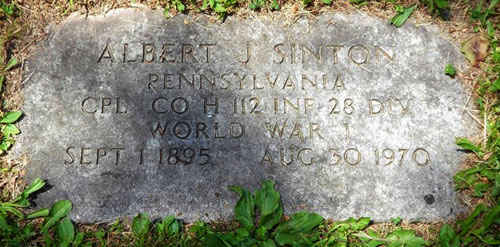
x: 475, y: 49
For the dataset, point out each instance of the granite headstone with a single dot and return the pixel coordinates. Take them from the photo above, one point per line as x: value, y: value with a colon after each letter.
x: 133, y: 112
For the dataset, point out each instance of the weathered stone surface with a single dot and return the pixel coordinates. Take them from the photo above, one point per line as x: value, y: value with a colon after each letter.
x: 357, y: 95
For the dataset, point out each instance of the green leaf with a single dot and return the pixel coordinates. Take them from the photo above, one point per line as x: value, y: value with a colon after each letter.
x: 79, y: 239
x: 11, y: 117
x: 242, y: 233
x: 140, y: 225
x: 244, y: 211
x: 39, y: 213
x: 450, y: 70
x: 173, y: 228
x: 298, y: 229
x: 396, y: 221
x: 496, y: 186
x: 65, y: 230
x: 6, y: 207
x: 100, y: 236
x: 495, y: 86
x: 163, y: 227
x: 274, y: 5
x: 490, y: 218
x: 166, y: 12
x: 490, y: 30
x: 270, y: 220
x: 36, y: 185
x: 260, y: 232
x: 214, y: 240
x: 59, y: 210
x: 469, y: 222
x: 468, y: 145
x: 267, y: 243
x: 447, y: 237
x: 399, y: 19
x: 219, y: 9
x: 10, y: 64
x: 362, y: 223
x: 267, y: 198
x: 405, y: 238
x: 10, y: 130
x: 372, y: 239
x: 2, y: 78
x: 199, y: 229
x: 327, y: 2
x: 180, y: 7
x: 4, y: 226
x: 480, y: 188
x: 442, y: 4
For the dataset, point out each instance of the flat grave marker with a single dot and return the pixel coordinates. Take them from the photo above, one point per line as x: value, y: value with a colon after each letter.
x: 132, y: 112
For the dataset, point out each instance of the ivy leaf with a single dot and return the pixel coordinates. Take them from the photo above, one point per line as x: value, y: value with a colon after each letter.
x: 475, y: 49
x: 399, y: 19
x: 244, y: 211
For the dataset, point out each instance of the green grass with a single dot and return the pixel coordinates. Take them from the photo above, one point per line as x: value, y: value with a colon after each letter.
x: 259, y: 219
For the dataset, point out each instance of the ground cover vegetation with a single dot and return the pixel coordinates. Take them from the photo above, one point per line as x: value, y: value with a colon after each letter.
x: 258, y: 216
